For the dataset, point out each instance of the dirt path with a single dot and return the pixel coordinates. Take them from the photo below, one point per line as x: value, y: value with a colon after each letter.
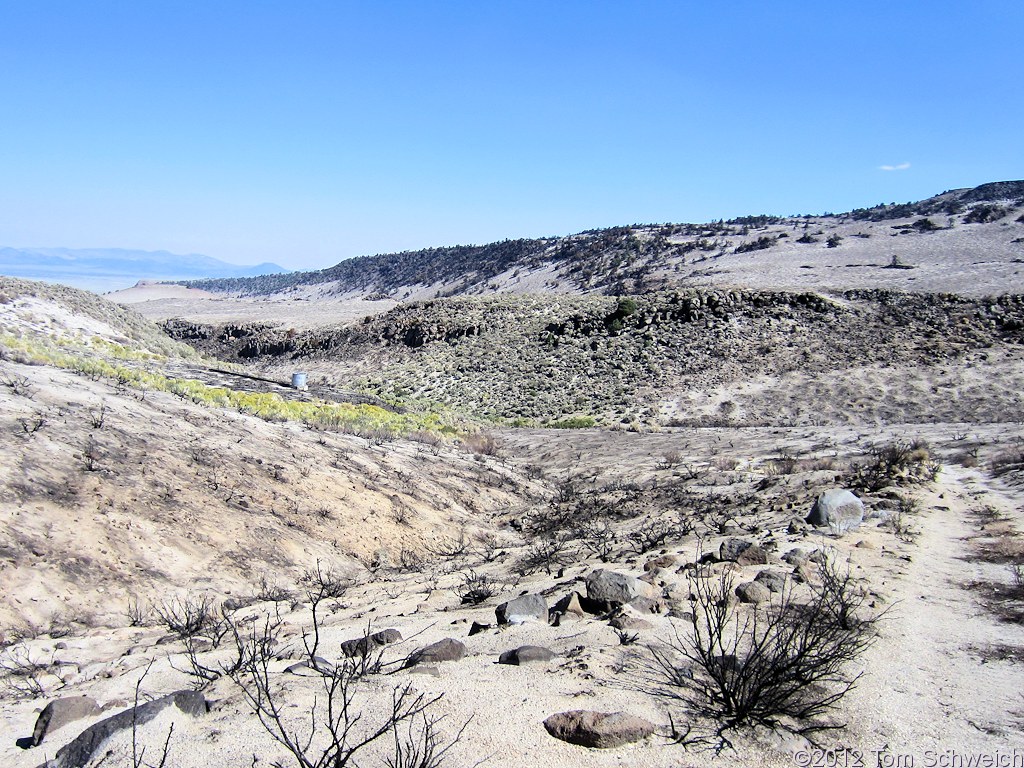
x: 932, y: 685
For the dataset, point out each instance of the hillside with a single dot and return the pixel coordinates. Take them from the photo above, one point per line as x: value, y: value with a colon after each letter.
x: 696, y: 357
x: 968, y: 240
x: 169, y: 532
x: 124, y: 476
x: 155, y: 529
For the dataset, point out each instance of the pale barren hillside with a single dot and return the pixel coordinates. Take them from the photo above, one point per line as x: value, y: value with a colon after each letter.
x: 967, y: 241
x: 119, y: 486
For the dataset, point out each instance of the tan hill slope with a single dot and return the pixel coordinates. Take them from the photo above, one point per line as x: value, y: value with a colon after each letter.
x: 119, y: 478
x: 968, y: 241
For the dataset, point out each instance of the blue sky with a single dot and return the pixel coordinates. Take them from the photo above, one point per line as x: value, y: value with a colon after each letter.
x: 308, y: 132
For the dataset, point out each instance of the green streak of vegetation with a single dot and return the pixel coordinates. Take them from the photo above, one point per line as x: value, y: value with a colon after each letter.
x: 573, y: 422
x: 369, y: 421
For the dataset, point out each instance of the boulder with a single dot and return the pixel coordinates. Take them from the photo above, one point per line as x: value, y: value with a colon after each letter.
x: 526, y: 654
x: 448, y: 649
x: 598, y: 729
x: 609, y: 589
x: 60, y: 712
x: 753, y: 592
x: 742, y: 552
x: 79, y: 752
x: 521, y: 609
x: 364, y: 645
x: 796, y: 556
x: 775, y: 581
x: 837, y: 509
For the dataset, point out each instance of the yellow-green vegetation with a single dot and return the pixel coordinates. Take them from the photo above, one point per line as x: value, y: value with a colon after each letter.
x: 90, y: 359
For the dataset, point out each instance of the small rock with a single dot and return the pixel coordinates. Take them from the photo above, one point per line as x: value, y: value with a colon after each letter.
x: 598, y: 729
x: 526, y: 654
x: 657, y: 563
x: 522, y: 609
x: 364, y: 645
x: 448, y: 649
x: 477, y: 628
x: 796, y: 556
x: 753, y: 592
x: 796, y: 526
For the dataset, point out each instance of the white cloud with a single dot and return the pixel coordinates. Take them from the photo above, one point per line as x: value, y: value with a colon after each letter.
x: 900, y: 167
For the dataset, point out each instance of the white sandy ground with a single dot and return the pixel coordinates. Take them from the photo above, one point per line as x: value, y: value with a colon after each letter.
x: 151, y: 290
x: 159, y: 301
x: 925, y: 686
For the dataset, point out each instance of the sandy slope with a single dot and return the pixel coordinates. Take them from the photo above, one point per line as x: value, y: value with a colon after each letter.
x: 925, y: 684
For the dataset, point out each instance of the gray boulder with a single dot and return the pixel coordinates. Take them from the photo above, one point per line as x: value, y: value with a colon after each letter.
x: 526, y: 654
x: 742, y: 552
x: 753, y: 592
x: 524, y: 608
x: 610, y: 589
x: 79, y: 752
x: 598, y: 729
x: 364, y: 645
x: 775, y: 581
x: 837, y: 509
x: 60, y: 712
x: 448, y: 649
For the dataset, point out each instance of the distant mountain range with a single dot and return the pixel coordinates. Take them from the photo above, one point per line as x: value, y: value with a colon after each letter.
x: 108, y: 269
